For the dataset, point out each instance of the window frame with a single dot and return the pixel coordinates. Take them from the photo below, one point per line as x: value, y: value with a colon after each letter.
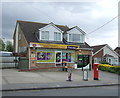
x: 44, y: 35
x: 72, y: 35
x: 56, y: 36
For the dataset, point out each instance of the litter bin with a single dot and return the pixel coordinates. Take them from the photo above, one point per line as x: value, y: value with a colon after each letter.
x: 85, y: 75
x: 23, y: 63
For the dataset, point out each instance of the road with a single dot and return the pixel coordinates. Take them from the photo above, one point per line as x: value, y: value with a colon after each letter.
x: 87, y: 91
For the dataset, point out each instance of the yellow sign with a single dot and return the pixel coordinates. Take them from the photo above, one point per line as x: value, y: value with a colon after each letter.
x: 56, y: 46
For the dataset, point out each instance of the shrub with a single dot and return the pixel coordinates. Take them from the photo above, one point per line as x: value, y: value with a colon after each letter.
x: 109, y: 68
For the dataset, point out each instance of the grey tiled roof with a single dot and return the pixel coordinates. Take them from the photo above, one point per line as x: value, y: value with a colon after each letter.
x: 117, y: 48
x: 29, y: 29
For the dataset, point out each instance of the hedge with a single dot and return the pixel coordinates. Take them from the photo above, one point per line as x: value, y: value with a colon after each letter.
x: 109, y: 68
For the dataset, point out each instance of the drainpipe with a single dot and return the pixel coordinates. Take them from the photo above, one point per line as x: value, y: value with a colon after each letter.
x: 29, y: 56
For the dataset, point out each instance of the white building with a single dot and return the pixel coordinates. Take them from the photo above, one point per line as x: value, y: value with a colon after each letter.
x: 104, y: 53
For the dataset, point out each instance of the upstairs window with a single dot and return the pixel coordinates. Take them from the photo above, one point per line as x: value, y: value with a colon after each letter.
x: 74, y: 37
x: 45, y: 35
x: 57, y: 36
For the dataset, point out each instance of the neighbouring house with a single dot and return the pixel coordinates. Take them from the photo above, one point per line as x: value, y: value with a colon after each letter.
x: 104, y: 53
x: 117, y: 49
x: 48, y: 46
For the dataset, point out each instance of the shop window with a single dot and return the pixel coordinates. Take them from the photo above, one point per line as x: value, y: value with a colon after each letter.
x: 45, y: 56
x: 68, y: 57
x: 41, y: 56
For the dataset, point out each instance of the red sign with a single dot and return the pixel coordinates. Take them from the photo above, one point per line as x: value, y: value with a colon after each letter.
x: 34, y: 45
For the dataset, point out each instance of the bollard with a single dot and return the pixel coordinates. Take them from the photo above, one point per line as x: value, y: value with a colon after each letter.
x: 69, y: 73
x: 96, y: 75
x: 85, y: 75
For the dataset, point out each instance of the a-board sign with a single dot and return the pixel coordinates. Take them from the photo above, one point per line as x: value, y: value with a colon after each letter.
x: 83, y: 60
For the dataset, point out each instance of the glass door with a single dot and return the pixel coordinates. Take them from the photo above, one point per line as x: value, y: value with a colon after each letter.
x: 58, y: 57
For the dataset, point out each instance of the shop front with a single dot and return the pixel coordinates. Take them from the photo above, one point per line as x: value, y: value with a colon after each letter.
x: 51, y: 56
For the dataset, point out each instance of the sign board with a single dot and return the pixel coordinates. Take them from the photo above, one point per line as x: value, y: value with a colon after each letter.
x: 72, y: 47
x: 83, y: 60
x: 54, y: 46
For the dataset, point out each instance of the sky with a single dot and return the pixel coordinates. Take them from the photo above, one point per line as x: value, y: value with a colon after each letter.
x: 85, y: 14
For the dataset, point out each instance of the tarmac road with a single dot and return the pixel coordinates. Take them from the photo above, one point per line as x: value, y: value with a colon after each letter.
x: 87, y: 91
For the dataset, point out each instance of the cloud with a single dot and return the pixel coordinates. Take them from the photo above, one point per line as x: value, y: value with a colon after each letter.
x: 87, y: 15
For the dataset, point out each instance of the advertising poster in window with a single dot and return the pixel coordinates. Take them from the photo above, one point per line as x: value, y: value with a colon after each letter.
x: 50, y: 57
x: 72, y: 57
x: 64, y: 57
x: 69, y: 57
x: 45, y: 56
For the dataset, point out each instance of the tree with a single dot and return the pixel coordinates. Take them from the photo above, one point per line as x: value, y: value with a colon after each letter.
x: 9, y: 46
x: 2, y: 45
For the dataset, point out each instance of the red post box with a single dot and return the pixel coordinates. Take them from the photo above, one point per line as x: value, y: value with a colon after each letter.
x: 96, y: 74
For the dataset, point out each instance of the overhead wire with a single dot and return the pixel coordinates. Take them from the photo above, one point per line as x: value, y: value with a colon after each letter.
x: 103, y: 25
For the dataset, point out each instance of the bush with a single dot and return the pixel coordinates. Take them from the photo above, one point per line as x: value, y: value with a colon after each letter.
x: 109, y: 68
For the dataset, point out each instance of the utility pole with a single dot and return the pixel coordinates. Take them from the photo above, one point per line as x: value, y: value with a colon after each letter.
x: 118, y: 24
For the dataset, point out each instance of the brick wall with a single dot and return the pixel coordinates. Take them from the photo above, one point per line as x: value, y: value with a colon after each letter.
x: 21, y: 42
x: 118, y: 51
x: 99, y: 54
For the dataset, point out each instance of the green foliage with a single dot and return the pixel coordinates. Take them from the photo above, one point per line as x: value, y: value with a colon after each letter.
x: 103, y: 62
x: 2, y: 45
x: 112, y: 69
x: 9, y: 46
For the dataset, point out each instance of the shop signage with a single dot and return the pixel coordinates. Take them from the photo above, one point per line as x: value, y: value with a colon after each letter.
x: 55, y: 46
x: 34, y: 45
x: 72, y: 47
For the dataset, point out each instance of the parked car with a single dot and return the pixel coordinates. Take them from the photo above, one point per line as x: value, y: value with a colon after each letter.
x: 5, y: 54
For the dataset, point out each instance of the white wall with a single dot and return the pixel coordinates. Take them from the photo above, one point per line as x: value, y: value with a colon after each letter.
x: 51, y: 30
x: 107, y: 50
x: 76, y: 31
x: 16, y: 38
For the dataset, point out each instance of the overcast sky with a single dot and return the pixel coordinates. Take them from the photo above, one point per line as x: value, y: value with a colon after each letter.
x: 87, y: 15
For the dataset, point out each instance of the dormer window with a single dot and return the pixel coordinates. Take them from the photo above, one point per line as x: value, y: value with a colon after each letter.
x: 75, y: 34
x: 74, y: 37
x: 45, y: 35
x: 57, y: 36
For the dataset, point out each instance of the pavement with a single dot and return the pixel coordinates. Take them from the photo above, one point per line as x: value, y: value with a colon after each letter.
x: 13, y: 80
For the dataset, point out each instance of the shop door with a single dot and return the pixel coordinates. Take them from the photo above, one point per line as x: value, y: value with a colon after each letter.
x: 58, y: 57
